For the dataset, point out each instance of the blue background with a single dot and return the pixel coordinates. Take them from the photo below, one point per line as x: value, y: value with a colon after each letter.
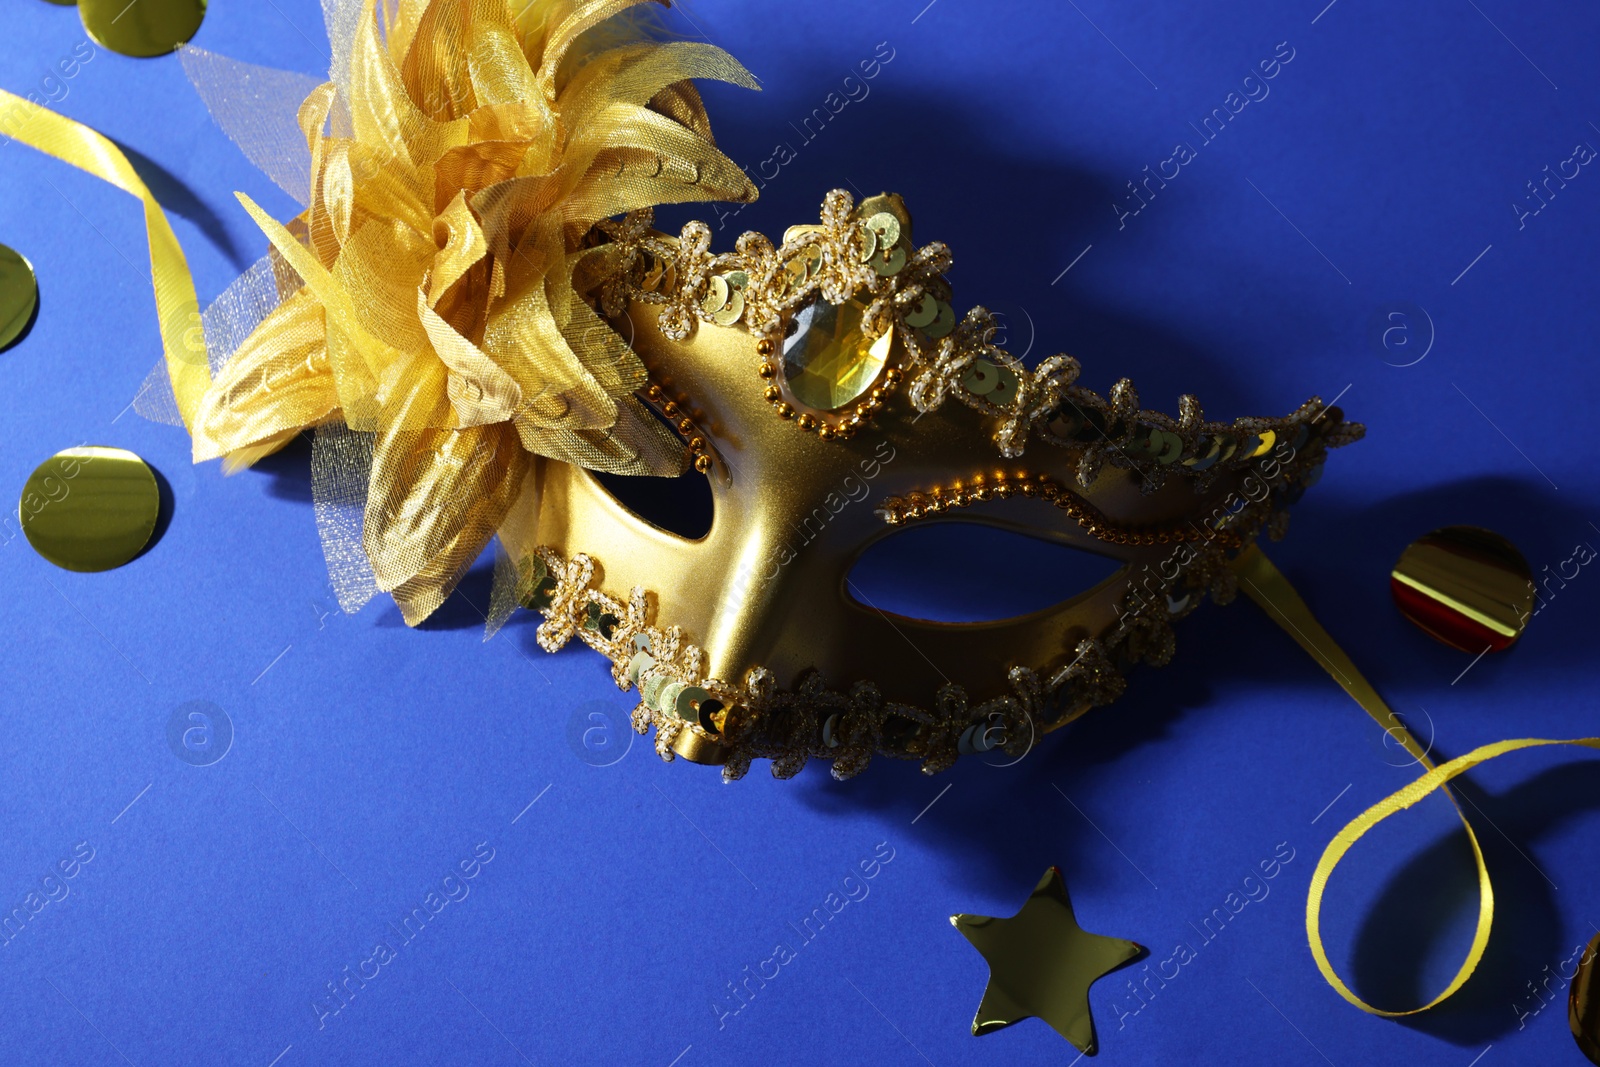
x: 369, y: 759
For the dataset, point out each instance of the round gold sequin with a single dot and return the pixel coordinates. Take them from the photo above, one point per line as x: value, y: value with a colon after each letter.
x: 1005, y: 390
x: 730, y: 312
x: 738, y: 279
x: 887, y: 227
x: 1267, y: 438
x: 796, y: 272
x: 1199, y: 462
x: 655, y: 270
x: 891, y: 264
x: 812, y: 256
x: 924, y: 313
x: 1171, y: 448
x: 19, y: 295
x: 869, y: 244
x: 943, y: 323
x: 686, y: 705
x: 716, y: 297
x: 90, y: 508
x: 143, y: 27
x: 981, y: 377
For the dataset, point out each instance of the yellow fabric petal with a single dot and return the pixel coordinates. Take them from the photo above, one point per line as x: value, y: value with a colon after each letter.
x: 461, y: 238
x: 480, y: 392
x: 435, y: 500
x: 379, y: 271
x: 278, y: 382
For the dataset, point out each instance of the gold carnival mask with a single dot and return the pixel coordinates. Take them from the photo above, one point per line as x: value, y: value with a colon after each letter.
x: 475, y: 315
x: 797, y: 373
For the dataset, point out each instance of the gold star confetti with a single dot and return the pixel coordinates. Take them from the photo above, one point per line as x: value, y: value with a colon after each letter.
x: 1042, y: 963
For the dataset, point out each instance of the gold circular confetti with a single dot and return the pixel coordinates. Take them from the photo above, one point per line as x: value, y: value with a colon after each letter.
x: 19, y: 295
x: 1467, y: 587
x: 144, y: 27
x: 1583, y: 1003
x: 90, y: 508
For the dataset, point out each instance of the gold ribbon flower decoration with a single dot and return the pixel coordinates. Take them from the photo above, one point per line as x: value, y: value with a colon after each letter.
x: 460, y: 153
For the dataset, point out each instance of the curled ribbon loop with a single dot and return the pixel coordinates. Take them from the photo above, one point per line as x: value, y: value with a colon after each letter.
x: 176, y: 307
x: 1269, y: 588
x: 1396, y: 802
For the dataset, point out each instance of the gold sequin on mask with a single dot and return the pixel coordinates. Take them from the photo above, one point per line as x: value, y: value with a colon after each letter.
x: 90, y: 508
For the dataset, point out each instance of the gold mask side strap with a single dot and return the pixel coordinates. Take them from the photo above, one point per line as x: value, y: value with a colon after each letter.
x: 176, y: 307
x: 1267, y: 586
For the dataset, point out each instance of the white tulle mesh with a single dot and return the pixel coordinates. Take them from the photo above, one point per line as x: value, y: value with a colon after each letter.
x: 257, y: 108
x: 517, y: 532
x: 341, y: 464
x: 235, y: 314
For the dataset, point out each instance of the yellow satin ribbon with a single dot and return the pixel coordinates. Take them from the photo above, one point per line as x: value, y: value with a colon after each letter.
x: 1264, y: 584
x: 178, y: 312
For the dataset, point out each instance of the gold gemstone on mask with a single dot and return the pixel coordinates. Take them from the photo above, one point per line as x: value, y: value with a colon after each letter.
x: 887, y: 227
x: 90, y: 508
x: 924, y: 313
x: 828, y: 361
x: 716, y: 297
x: 943, y: 322
x: 144, y: 28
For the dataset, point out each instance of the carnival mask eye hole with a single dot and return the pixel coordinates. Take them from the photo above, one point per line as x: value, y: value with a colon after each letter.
x: 959, y: 571
x: 681, y: 505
